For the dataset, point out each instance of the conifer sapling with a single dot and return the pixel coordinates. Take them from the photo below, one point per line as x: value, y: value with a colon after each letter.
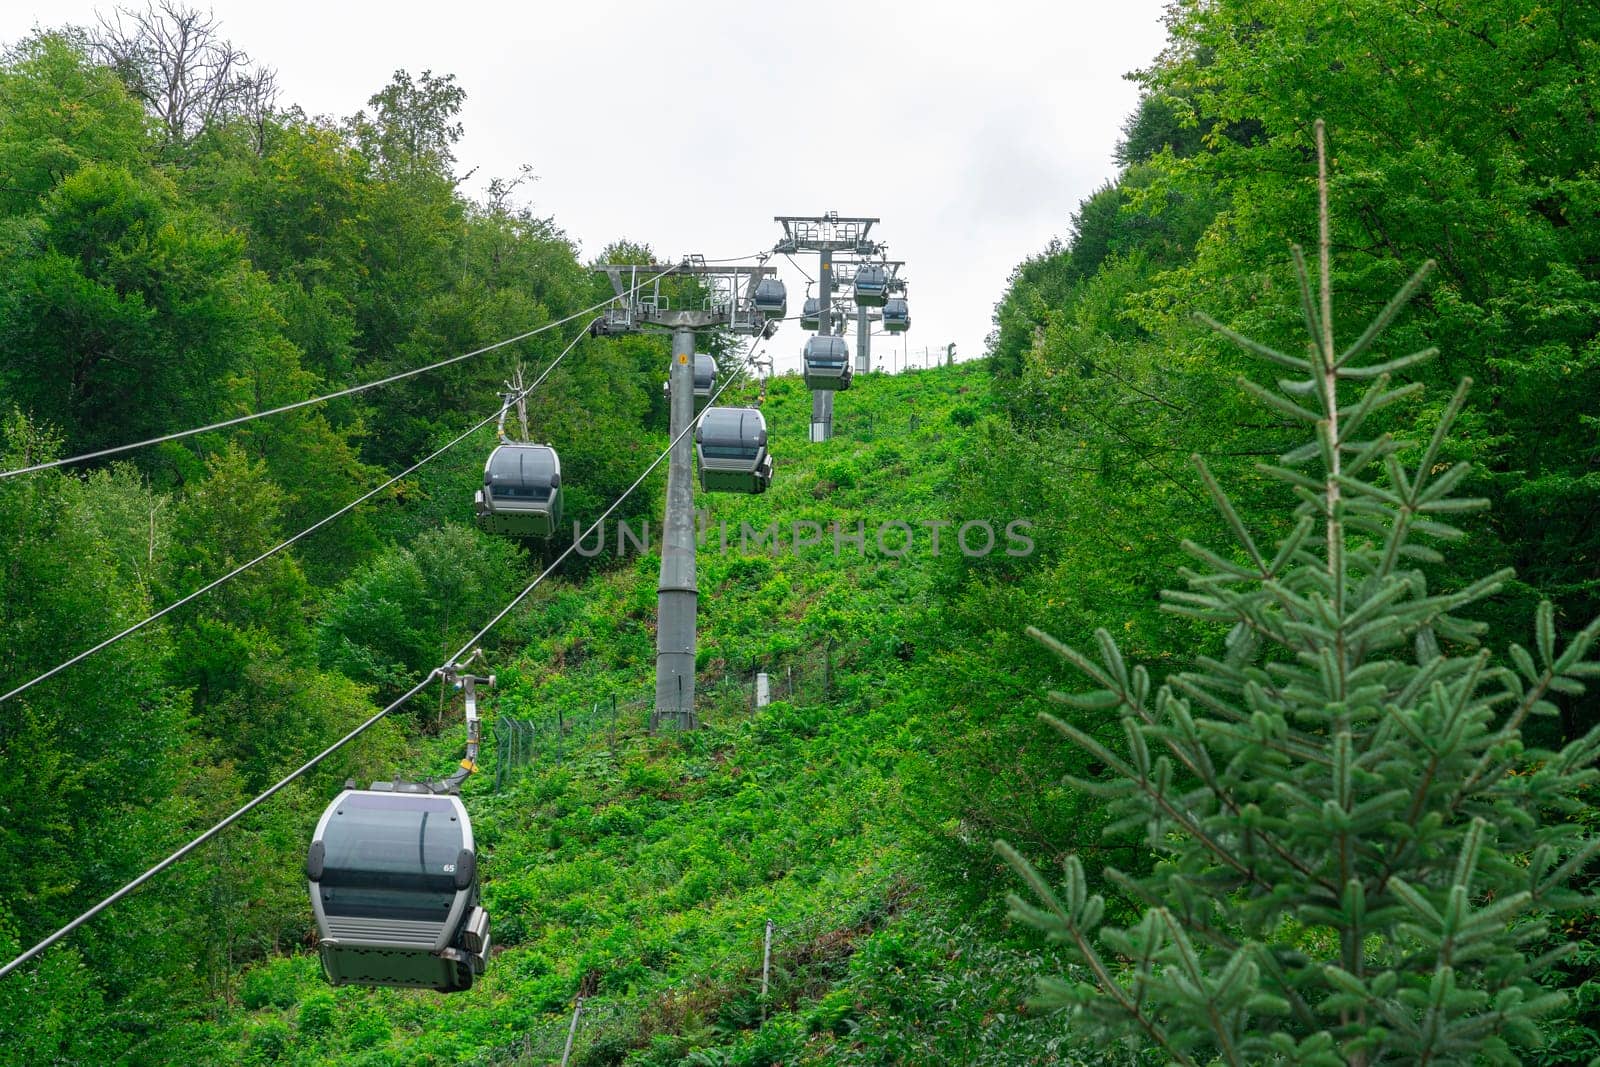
x: 1356, y: 854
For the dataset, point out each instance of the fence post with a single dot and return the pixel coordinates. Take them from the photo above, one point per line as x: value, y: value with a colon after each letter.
x: 572, y: 1031
x: 499, y: 753
x: 766, y: 969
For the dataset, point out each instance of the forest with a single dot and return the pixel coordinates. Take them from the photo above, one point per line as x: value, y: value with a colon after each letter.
x: 1072, y: 807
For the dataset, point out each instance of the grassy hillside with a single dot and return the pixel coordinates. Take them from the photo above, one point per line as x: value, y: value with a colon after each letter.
x: 158, y: 275
x: 641, y: 871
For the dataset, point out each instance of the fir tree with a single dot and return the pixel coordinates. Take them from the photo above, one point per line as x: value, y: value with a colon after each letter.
x: 1356, y: 855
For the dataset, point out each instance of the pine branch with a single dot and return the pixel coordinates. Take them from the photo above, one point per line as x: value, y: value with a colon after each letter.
x: 1265, y: 351
x: 1400, y: 299
x: 1091, y: 958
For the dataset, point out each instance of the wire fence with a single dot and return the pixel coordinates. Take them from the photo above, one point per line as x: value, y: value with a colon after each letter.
x: 778, y: 963
x: 868, y: 427
x: 782, y: 959
x: 550, y: 739
x: 802, y: 679
x: 569, y: 1039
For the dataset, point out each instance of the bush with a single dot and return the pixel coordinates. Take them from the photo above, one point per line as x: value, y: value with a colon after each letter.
x: 367, y: 1028
x: 273, y: 984
x: 316, y: 1014
x: 268, y: 1040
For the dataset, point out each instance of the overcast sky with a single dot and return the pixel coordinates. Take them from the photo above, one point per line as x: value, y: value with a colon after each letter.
x: 971, y: 129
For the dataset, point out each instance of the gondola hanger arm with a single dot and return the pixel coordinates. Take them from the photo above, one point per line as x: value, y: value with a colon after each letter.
x: 459, y: 674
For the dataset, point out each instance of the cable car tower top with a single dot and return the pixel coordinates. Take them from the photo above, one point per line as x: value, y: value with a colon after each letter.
x: 825, y: 233
x: 728, y: 302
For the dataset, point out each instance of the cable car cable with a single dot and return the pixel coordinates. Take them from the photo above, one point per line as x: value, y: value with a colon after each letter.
x: 269, y: 553
x: 796, y: 265
x: 399, y: 701
x: 118, y: 449
x: 739, y: 259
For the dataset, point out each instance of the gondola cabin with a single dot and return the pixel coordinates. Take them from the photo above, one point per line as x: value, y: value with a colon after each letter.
x: 705, y: 380
x: 896, y: 315
x: 705, y: 377
x: 394, y: 888
x: 521, y: 494
x: 772, y: 298
x: 872, y: 284
x: 811, y: 314
x: 731, y: 446
x: 827, y: 363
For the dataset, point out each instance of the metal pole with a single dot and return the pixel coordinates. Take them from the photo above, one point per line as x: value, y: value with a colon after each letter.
x: 863, y: 342
x: 676, y: 595
x: 572, y: 1031
x: 822, y: 399
x: 522, y: 401
x: 500, y: 753
x: 766, y: 968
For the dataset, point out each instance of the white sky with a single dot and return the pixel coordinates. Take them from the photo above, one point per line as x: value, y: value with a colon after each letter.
x: 971, y: 129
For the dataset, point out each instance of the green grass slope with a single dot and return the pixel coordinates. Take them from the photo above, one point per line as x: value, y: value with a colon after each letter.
x: 640, y: 872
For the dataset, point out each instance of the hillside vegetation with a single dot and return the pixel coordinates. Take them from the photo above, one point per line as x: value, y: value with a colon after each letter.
x: 641, y: 871
x: 162, y: 268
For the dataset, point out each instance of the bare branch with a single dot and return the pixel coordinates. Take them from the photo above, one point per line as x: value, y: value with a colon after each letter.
x: 174, y: 58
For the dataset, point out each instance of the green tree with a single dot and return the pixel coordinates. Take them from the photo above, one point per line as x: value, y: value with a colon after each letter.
x: 414, y: 124
x: 122, y: 314
x: 1464, y: 137
x: 94, y: 756
x: 1358, y: 854
x: 58, y: 112
x: 402, y: 613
